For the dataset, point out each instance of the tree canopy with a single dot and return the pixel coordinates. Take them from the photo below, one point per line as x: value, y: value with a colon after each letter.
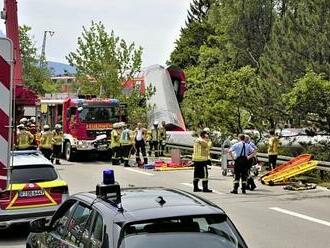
x: 259, y: 63
x: 35, y: 76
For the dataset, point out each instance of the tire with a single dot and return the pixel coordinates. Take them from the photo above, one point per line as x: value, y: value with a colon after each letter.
x: 68, y: 154
x: 224, y: 173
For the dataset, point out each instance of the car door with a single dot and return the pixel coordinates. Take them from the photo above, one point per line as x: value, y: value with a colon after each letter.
x: 68, y: 228
x: 93, y: 235
x: 58, y: 226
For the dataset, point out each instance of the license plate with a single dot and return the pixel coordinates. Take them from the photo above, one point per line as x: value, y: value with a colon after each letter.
x: 31, y: 193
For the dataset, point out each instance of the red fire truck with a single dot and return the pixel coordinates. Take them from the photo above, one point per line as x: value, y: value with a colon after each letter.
x: 87, y: 123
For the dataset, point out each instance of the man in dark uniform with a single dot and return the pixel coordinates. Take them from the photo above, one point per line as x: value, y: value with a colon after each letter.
x: 241, y: 152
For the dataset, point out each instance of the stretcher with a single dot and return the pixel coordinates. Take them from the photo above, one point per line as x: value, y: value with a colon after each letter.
x: 293, y: 162
x: 283, y: 175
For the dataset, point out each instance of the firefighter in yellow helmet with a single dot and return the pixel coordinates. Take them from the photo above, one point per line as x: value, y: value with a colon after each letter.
x: 57, y: 142
x: 200, y: 159
x: 115, y: 144
x: 154, y: 137
x: 24, y: 138
x: 46, y: 141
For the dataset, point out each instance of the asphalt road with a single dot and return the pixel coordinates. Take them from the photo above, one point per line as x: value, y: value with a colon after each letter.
x: 268, y: 217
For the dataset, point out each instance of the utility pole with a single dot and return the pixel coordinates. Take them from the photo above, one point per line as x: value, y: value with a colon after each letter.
x: 43, y: 50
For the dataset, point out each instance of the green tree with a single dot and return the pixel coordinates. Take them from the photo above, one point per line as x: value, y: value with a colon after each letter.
x: 104, y: 61
x: 300, y: 41
x: 193, y: 36
x: 34, y: 76
x: 309, y: 100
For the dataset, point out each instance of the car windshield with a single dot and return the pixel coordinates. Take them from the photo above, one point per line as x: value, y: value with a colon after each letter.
x: 212, y: 231
x: 32, y: 174
x: 98, y: 114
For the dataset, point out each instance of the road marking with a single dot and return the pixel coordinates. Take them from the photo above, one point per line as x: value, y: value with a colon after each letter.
x: 192, y: 186
x: 141, y: 172
x: 302, y: 216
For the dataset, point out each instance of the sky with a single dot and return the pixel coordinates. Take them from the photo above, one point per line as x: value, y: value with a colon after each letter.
x: 152, y: 24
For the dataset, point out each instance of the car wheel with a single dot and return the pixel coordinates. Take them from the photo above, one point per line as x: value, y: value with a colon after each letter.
x: 224, y: 173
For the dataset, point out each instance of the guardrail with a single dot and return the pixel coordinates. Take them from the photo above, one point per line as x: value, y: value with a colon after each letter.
x: 322, y: 165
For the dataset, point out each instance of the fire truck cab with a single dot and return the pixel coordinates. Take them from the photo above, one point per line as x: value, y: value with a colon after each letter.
x: 87, y: 123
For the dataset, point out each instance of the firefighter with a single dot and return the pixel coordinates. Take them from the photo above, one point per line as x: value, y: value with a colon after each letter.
x: 209, y: 143
x: 24, y: 138
x: 22, y: 121
x: 154, y: 137
x: 126, y: 145
x: 115, y: 144
x: 46, y: 140
x: 200, y: 158
x: 33, y: 130
x: 57, y: 141
x: 140, y: 144
x: 241, y: 152
x: 252, y: 161
x: 162, y: 140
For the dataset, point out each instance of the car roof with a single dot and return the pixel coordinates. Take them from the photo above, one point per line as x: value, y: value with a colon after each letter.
x: 144, y: 204
x: 25, y: 158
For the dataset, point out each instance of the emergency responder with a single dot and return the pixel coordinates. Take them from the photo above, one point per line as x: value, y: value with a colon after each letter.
x: 209, y: 143
x: 140, y: 144
x: 241, y: 153
x: 200, y: 158
x: 22, y: 121
x: 126, y: 145
x: 46, y: 140
x: 162, y: 138
x: 33, y: 130
x: 273, y: 145
x: 24, y: 138
x: 115, y: 144
x: 252, y: 161
x: 154, y: 137
x: 57, y: 142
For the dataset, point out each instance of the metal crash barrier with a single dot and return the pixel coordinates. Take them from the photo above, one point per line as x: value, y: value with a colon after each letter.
x: 263, y: 157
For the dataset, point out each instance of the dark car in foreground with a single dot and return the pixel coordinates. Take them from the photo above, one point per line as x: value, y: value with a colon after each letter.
x: 136, y: 218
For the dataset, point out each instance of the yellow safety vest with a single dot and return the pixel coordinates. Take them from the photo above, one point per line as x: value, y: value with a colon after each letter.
x: 115, y: 138
x: 125, y: 137
x: 46, y: 140
x: 57, y: 138
x: 154, y: 134
x: 201, y: 150
x: 24, y: 139
x: 273, y: 145
x: 162, y: 133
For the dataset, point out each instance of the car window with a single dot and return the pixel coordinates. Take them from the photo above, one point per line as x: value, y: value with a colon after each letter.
x: 216, y: 230
x: 32, y: 174
x: 61, y: 221
x: 97, y: 232
x: 78, y: 224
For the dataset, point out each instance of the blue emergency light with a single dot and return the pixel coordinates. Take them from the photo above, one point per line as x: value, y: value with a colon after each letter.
x: 109, y: 189
x: 108, y: 177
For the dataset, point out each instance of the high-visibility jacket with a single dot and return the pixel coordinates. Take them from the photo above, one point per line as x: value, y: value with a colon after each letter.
x: 125, y: 137
x: 273, y: 145
x: 154, y: 134
x: 37, y: 137
x: 115, y: 138
x: 162, y: 133
x: 24, y: 139
x: 46, y: 140
x: 209, y: 146
x: 201, y: 150
x: 57, y: 138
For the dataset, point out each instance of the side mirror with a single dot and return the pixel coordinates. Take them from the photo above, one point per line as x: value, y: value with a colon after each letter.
x: 39, y: 225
